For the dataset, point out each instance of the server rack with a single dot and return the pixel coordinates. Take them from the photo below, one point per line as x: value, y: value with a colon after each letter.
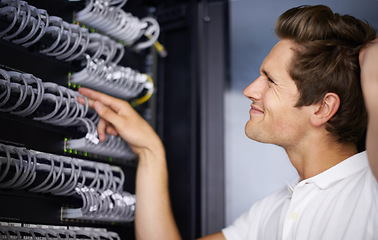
x: 190, y: 115
x: 186, y: 111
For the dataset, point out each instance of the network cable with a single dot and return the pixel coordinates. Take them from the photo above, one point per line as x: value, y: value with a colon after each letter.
x: 98, y: 185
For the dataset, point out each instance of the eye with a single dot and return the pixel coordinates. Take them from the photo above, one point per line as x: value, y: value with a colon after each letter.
x: 270, y: 80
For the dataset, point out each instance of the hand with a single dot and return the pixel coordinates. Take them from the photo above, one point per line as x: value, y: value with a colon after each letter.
x: 153, y: 214
x: 118, y: 117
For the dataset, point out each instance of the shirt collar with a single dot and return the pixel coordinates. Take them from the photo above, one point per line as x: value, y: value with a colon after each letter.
x: 340, y: 171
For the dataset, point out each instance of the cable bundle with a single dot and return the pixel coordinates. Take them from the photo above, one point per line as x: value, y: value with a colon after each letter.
x: 27, y: 25
x: 113, y: 146
x: 28, y: 17
x: 99, y: 185
x: 31, y: 231
x: 108, y: 17
x: 24, y: 95
x: 63, y: 174
x: 118, y: 81
x: 69, y: 41
x: 103, y: 206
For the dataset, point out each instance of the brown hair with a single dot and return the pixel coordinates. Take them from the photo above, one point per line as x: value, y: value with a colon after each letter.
x: 326, y: 60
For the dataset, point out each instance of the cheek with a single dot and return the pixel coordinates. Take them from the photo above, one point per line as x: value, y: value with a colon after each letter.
x: 293, y: 124
x: 284, y: 116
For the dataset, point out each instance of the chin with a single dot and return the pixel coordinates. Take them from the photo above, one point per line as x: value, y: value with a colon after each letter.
x: 252, y: 134
x: 257, y: 136
x: 250, y: 129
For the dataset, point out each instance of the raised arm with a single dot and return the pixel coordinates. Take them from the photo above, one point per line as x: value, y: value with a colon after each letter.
x: 153, y: 215
x: 369, y: 83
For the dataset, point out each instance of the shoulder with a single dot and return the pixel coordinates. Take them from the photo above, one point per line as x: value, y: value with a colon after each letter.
x: 272, y: 201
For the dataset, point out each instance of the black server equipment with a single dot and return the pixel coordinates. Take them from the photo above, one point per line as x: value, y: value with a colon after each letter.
x: 57, y: 180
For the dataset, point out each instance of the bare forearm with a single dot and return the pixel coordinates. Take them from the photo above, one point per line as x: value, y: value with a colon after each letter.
x: 153, y: 215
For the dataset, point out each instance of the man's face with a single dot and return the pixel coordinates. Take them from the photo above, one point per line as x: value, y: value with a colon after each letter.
x: 273, y: 117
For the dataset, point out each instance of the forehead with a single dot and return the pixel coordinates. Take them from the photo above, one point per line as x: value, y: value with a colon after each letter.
x: 279, y: 58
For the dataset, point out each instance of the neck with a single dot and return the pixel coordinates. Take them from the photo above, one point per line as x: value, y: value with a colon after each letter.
x: 316, y: 158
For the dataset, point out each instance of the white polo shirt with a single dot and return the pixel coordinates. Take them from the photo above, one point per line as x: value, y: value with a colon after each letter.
x: 339, y: 203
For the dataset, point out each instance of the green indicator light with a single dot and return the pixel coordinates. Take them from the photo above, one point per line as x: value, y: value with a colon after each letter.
x: 110, y: 159
x: 84, y: 26
x: 85, y: 154
x: 70, y: 150
x: 93, y: 31
x: 74, y: 86
x: 75, y: 152
x: 66, y: 139
x: 65, y: 150
x: 69, y: 74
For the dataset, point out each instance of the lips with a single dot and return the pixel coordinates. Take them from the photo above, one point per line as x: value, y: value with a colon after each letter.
x: 255, y: 110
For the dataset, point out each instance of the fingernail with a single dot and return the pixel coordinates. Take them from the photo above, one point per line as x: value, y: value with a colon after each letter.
x: 82, y: 89
x: 102, y: 137
x: 98, y: 106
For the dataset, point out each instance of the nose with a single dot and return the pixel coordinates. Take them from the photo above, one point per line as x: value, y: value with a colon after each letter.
x: 255, y: 89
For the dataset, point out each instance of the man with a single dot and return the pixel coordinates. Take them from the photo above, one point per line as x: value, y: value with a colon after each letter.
x: 308, y: 100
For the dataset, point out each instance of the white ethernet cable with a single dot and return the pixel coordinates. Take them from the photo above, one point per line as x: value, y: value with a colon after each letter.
x: 106, y: 205
x: 113, y: 146
x: 66, y: 111
x: 99, y: 176
x: 35, y: 23
x: 24, y: 14
x: 107, y: 18
x: 32, y: 92
x: 11, y: 13
x: 11, y: 230
x: 20, y: 11
x: 41, y: 25
x: 5, y: 84
x: 98, y: 184
x: 70, y: 41
x: 118, y: 81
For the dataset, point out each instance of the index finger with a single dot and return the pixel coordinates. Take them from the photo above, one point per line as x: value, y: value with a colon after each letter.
x: 112, y: 102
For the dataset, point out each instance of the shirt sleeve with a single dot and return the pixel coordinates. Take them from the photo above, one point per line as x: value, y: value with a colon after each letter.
x: 248, y: 225
x: 238, y: 229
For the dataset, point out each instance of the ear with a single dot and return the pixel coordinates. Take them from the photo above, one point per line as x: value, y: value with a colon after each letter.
x: 325, y: 109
